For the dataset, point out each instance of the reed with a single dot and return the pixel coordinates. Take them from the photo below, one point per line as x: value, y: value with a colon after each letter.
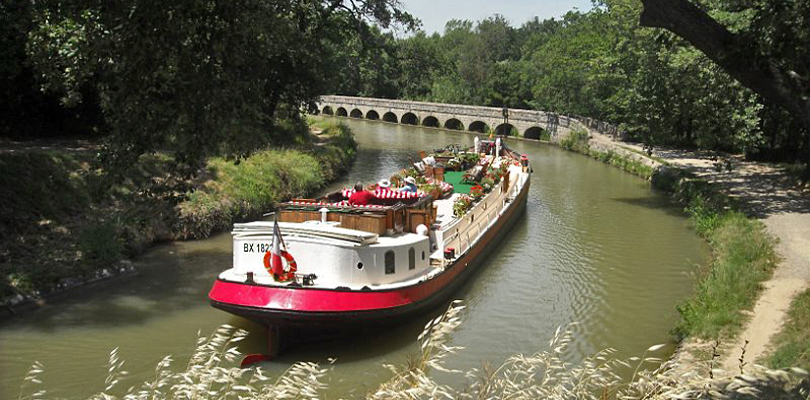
x: 211, y: 374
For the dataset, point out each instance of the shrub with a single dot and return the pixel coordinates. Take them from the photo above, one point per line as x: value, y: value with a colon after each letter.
x: 577, y: 140
x: 99, y: 245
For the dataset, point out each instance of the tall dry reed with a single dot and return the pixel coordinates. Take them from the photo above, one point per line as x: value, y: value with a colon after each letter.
x: 211, y: 373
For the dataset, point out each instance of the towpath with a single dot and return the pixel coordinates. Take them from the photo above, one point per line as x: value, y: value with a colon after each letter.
x: 765, y: 192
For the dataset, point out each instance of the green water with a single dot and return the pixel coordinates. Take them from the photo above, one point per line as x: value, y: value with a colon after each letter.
x: 596, y: 246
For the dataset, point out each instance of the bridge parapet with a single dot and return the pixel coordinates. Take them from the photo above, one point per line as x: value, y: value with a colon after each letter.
x: 527, y: 122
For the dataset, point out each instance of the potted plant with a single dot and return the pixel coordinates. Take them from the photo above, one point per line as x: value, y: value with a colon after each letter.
x: 488, y: 183
x: 433, y: 190
x: 454, y: 164
x: 461, y: 206
x: 477, y: 192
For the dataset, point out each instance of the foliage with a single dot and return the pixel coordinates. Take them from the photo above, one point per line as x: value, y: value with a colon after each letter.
x: 100, y: 245
x: 58, y: 226
x: 655, y: 86
x: 243, y: 191
x: 461, y: 205
x: 454, y: 164
x: 577, y: 140
x: 468, y: 178
x: 476, y: 192
x: 468, y: 160
x: 430, y: 189
x: 487, y: 183
x: 197, y: 78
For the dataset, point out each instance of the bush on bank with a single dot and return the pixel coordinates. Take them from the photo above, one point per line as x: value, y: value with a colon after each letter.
x: 577, y: 141
x: 244, y: 191
x: 64, y: 223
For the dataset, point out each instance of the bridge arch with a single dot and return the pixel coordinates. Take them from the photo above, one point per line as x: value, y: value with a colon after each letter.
x: 327, y: 111
x: 409, y: 118
x: 341, y: 112
x: 372, y: 115
x: 505, y: 130
x: 454, y: 124
x: 356, y: 113
x: 390, y: 117
x: 431, y: 121
x: 536, y: 132
x: 479, y: 126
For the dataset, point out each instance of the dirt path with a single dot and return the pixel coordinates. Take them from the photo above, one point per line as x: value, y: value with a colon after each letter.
x: 764, y: 192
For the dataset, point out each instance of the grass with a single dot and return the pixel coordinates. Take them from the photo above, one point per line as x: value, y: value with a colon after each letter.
x: 578, y: 141
x: 793, y: 343
x: 211, y: 373
x: 57, y: 200
x: 743, y: 257
x: 623, y: 162
x: 743, y: 254
x: 237, y: 192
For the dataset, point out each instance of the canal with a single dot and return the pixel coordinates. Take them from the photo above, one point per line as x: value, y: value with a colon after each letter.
x: 596, y: 246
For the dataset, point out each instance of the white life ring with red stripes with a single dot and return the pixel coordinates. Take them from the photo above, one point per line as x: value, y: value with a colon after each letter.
x: 287, y: 275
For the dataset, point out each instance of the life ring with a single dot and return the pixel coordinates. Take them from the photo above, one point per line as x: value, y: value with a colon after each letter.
x: 287, y: 275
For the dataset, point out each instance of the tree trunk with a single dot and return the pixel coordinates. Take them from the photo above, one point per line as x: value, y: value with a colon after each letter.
x: 733, y: 53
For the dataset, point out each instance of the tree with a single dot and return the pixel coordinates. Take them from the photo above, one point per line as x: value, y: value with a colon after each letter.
x: 750, y: 58
x: 195, y: 77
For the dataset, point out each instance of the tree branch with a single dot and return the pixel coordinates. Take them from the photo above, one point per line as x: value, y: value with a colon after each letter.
x: 735, y: 54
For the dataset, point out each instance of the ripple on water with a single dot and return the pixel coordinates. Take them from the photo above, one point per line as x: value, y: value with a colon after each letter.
x: 595, y: 246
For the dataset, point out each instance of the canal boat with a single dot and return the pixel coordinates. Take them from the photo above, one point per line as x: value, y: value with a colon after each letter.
x: 325, y: 264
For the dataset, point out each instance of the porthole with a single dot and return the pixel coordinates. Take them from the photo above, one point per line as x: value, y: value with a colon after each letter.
x: 360, y: 265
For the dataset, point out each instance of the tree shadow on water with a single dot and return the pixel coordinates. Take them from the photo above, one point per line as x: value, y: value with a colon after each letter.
x: 668, y: 206
x: 166, y: 282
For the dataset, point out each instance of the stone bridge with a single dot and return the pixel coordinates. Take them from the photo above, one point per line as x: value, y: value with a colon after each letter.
x: 515, y: 122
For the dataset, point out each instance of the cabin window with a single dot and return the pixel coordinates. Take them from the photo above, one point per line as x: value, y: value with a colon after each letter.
x: 423, y: 255
x: 390, y: 268
x: 412, y: 258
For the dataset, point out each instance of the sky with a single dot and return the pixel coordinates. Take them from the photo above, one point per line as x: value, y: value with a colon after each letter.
x: 435, y: 13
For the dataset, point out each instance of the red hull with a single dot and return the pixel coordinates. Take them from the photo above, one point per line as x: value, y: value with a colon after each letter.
x: 308, y: 307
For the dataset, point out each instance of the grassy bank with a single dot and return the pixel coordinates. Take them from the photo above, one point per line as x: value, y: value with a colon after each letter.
x: 64, y: 223
x: 242, y: 192
x: 793, y: 343
x: 577, y: 141
x: 743, y: 254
